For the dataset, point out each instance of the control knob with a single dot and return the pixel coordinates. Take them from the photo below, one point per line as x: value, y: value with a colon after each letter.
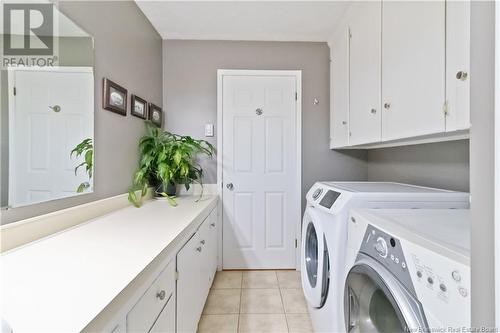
x: 317, y: 193
x: 381, y: 247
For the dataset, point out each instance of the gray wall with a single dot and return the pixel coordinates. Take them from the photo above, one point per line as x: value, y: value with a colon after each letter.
x: 128, y: 51
x: 482, y: 162
x: 444, y: 165
x: 190, y: 97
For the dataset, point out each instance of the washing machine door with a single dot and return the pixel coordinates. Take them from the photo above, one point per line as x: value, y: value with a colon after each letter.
x: 314, y: 259
x: 375, y: 301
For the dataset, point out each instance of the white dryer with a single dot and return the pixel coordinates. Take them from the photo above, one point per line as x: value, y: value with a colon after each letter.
x: 324, y: 236
x: 409, y: 271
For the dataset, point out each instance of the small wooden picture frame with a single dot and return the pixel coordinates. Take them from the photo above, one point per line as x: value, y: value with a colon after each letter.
x: 155, y: 115
x: 114, y: 97
x: 139, y: 107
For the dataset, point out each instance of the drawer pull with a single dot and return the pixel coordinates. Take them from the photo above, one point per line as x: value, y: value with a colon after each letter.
x: 202, y: 242
x: 161, y: 295
x: 198, y: 249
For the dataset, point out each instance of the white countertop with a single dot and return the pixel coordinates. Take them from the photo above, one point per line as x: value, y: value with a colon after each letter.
x: 62, y: 282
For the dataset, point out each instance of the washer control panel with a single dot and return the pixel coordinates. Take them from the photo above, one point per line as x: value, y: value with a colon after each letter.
x: 440, y: 278
x: 329, y: 199
x: 387, y: 250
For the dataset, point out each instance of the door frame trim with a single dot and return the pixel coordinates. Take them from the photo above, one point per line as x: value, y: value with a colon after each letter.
x: 297, y: 74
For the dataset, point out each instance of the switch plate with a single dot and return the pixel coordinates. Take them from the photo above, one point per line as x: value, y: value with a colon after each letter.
x: 209, y: 130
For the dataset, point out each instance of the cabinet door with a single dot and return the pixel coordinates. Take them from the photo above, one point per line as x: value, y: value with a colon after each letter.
x: 364, y: 74
x: 413, y: 60
x: 339, y: 89
x: 205, y: 269
x: 166, y: 320
x: 189, y: 286
x: 213, y: 249
x: 457, y: 65
x: 144, y: 313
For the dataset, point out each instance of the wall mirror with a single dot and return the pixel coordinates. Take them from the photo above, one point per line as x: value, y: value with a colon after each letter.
x: 47, y: 121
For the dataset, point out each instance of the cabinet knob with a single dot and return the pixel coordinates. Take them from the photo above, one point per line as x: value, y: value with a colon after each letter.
x: 202, y: 242
x: 198, y: 249
x: 373, y: 111
x: 462, y: 75
x: 230, y: 186
x: 344, y: 122
x: 258, y: 111
x: 161, y: 295
x: 212, y: 225
x: 387, y: 106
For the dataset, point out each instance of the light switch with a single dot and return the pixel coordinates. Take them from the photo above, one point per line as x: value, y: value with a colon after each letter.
x: 209, y: 129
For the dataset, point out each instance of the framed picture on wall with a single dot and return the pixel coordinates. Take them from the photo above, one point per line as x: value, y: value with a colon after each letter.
x: 139, y: 107
x: 114, y: 97
x: 155, y: 114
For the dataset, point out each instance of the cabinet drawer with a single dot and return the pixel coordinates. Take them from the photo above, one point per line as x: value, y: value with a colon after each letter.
x: 144, y: 313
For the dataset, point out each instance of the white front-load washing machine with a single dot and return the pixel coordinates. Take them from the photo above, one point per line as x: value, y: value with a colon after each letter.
x: 409, y: 271
x: 324, y: 236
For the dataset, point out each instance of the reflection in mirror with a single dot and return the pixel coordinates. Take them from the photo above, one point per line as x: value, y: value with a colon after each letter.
x: 47, y: 122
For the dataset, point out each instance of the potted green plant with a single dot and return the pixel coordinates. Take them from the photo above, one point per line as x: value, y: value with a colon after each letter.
x: 165, y: 160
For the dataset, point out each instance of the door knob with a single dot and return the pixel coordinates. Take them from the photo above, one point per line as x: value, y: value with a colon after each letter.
x: 387, y: 106
x: 461, y: 75
x: 230, y: 186
x: 161, y: 295
x: 55, y: 108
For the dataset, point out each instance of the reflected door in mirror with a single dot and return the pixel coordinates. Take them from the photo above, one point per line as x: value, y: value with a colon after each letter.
x: 50, y: 114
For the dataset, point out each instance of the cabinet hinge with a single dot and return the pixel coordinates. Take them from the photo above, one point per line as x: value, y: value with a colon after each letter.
x: 14, y: 91
x: 176, y: 275
x: 445, y: 108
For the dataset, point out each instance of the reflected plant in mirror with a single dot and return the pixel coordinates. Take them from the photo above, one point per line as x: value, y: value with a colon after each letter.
x: 85, y: 149
x: 47, y: 121
x: 166, y: 160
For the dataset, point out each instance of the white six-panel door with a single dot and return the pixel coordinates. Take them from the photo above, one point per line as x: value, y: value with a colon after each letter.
x: 41, y: 139
x: 260, y: 161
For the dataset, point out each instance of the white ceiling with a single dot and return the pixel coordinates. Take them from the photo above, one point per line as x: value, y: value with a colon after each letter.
x: 244, y: 20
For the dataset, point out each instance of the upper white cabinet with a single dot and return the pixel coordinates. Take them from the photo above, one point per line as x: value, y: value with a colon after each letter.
x: 339, y: 87
x: 457, y: 65
x: 413, y: 70
x: 364, y: 71
x: 407, y: 74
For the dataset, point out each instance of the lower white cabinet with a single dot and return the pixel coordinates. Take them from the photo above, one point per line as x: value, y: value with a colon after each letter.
x: 174, y: 301
x: 156, y: 308
x: 196, y: 266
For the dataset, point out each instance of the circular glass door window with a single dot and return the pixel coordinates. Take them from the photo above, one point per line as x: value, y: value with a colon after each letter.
x: 311, y: 255
x: 369, y: 307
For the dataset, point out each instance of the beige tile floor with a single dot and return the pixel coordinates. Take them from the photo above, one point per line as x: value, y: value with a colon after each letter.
x: 256, y: 302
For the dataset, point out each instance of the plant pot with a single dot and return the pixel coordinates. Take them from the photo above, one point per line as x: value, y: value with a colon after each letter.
x: 171, y: 189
